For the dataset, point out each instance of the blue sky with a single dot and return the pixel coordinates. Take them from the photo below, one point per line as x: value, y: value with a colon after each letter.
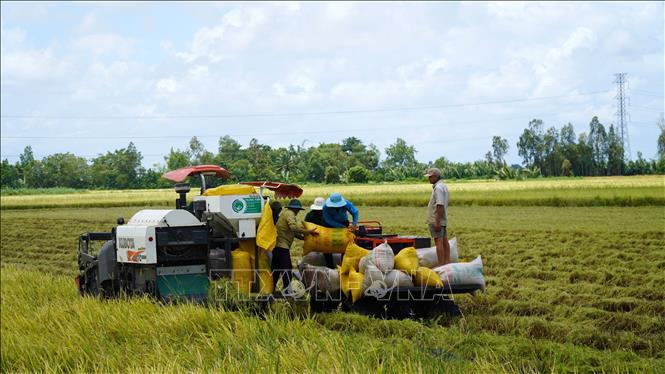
x: 90, y: 77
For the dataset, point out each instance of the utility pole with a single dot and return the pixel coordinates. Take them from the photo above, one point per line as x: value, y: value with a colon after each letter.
x: 622, y: 114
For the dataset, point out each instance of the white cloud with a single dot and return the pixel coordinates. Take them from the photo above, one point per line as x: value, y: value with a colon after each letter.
x: 166, y: 87
x: 339, y: 10
x: 10, y: 38
x: 296, y: 87
x: 31, y: 65
x: 236, y: 31
x: 89, y: 23
x: 105, y: 44
x: 558, y: 60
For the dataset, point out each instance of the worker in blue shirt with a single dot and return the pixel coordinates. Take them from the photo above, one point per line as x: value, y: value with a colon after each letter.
x: 335, y: 212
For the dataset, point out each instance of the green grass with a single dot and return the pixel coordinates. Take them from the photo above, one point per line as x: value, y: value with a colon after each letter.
x: 596, y: 191
x: 570, y: 289
x: 47, y: 326
x: 39, y: 191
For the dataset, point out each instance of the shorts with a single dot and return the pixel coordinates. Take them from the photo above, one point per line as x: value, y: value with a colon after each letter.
x: 438, y: 234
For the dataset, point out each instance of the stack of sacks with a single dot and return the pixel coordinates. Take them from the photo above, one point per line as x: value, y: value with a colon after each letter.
x: 380, y: 269
x: 456, y: 273
x: 427, y: 256
x: 407, y: 261
x: 463, y: 273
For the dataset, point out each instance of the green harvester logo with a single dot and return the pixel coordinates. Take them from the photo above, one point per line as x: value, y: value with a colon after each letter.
x: 237, y: 205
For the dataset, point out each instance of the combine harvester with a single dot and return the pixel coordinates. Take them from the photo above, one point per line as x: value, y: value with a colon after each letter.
x: 174, y: 254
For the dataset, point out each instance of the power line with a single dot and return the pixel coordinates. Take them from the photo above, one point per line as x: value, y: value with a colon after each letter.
x: 646, y: 92
x: 290, y: 114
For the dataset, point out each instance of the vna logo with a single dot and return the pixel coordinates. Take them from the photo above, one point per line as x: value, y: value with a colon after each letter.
x: 238, y: 205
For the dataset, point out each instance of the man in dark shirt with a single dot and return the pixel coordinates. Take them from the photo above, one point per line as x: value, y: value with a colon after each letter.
x: 315, y: 216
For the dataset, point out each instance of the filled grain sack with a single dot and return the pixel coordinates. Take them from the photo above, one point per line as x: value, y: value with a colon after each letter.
x: 362, y: 264
x: 329, y: 240
x: 343, y: 281
x: 397, y: 278
x: 407, y: 260
x: 318, y: 259
x: 355, y: 285
x: 265, y: 275
x: 352, y: 257
x: 242, y: 274
x: 427, y: 256
x: 383, y: 257
x: 320, y: 278
x: 463, y: 273
x: 427, y: 277
x: 373, y: 277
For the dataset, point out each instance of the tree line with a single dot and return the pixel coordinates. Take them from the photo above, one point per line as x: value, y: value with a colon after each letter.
x: 545, y: 152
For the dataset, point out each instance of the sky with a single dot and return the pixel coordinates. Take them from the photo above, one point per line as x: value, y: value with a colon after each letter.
x: 89, y: 77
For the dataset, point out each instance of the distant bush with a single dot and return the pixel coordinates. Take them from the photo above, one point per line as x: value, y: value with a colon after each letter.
x: 358, y: 174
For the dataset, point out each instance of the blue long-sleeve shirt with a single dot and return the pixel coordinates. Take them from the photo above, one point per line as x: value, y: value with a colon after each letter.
x: 337, y: 217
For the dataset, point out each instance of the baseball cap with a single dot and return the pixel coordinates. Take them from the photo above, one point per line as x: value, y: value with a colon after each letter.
x: 433, y: 171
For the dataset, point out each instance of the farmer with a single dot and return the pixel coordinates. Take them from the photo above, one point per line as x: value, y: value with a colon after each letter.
x: 315, y: 216
x: 287, y: 229
x: 276, y: 208
x: 335, y: 212
x: 437, y: 215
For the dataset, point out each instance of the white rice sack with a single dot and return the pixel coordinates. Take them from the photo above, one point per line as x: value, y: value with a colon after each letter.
x: 397, y: 278
x: 382, y: 257
x: 463, y: 273
x: 320, y: 278
x: 307, y: 274
x: 427, y: 256
x: 374, y: 277
x: 333, y: 280
x: 318, y: 259
x: 362, y: 265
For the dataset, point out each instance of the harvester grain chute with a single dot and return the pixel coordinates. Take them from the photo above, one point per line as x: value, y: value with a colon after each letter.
x: 173, y: 254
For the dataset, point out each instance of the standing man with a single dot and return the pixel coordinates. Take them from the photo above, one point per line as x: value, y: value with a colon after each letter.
x: 336, y: 210
x: 287, y: 229
x: 437, y: 215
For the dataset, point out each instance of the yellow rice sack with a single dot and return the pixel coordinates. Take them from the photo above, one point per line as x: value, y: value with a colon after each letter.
x: 266, y: 234
x: 343, y: 281
x: 230, y: 189
x: 407, y: 260
x: 356, y: 284
x: 265, y: 276
x: 352, y: 257
x: 427, y: 277
x: 328, y: 241
x: 242, y: 271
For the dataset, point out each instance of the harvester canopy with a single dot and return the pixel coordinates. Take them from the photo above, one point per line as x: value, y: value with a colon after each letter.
x: 179, y: 175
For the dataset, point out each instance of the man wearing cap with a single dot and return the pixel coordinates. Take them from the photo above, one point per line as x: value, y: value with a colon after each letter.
x: 335, y: 212
x: 315, y: 216
x: 287, y: 229
x: 437, y: 215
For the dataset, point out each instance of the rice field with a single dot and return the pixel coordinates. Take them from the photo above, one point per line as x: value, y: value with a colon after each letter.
x: 570, y: 289
x: 591, y: 191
